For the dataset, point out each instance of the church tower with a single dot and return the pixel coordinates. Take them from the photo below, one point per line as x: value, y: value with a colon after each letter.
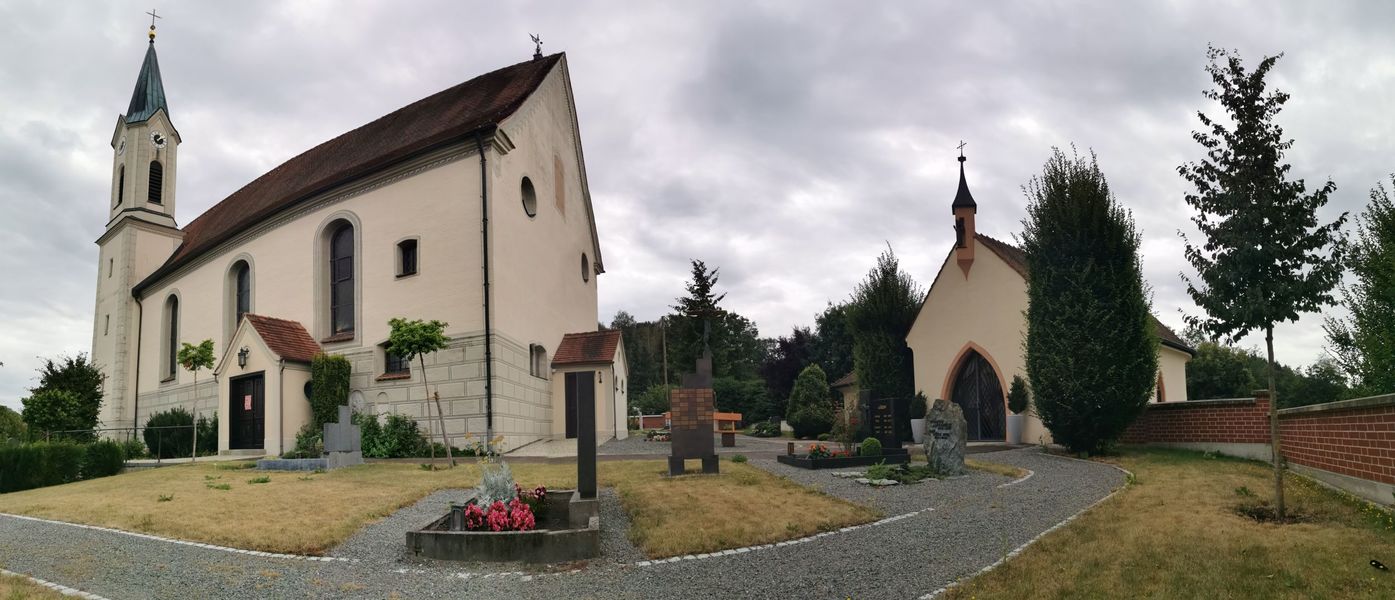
x: 964, y: 209
x: 140, y: 234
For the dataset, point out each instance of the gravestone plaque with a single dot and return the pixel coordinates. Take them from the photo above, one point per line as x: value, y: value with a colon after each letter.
x: 343, y: 442
x: 946, y: 441
x: 584, y: 503
x: 691, y: 409
x: 880, y: 418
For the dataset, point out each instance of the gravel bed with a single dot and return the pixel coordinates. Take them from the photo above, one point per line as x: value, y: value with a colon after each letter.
x: 973, y: 523
x: 635, y: 445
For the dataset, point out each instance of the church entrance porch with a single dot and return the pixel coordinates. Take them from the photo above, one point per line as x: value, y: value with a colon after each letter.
x: 979, y: 393
x: 247, y: 412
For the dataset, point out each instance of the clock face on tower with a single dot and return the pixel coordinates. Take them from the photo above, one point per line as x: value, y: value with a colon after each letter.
x: 158, y: 139
x: 121, y: 147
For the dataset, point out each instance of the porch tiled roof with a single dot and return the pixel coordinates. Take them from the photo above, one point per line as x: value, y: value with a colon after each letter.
x: 590, y: 347
x: 287, y: 339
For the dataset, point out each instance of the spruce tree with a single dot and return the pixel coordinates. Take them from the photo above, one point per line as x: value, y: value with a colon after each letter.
x: 1364, y: 342
x: 1091, y: 347
x: 1262, y: 260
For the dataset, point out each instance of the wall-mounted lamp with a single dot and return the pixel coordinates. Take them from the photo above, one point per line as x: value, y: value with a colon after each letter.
x: 242, y: 357
x: 600, y: 377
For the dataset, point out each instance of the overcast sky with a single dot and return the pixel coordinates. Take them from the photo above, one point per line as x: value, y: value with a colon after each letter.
x: 785, y: 142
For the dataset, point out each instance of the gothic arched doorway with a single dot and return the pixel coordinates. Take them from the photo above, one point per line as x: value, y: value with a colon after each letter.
x: 979, y: 394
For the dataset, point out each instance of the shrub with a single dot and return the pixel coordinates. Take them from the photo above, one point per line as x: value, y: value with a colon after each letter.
x: 399, y: 437
x: 309, y: 443
x: 208, y: 435
x: 28, y: 466
x: 169, y: 443
x: 881, y: 470
x: 102, y: 459
x: 766, y: 429
x: 870, y: 447
x: 918, y: 408
x: 12, y: 427
x: 823, y: 437
x: 329, y: 387
x: 132, y: 449
x: 1017, y: 395
x: 810, y: 407
x: 739, y: 458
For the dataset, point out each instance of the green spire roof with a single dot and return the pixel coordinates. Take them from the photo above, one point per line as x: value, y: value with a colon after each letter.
x: 150, y: 91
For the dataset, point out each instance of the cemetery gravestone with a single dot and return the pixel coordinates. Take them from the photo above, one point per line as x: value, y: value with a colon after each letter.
x: 691, y: 407
x: 584, y: 504
x: 343, y: 442
x: 880, y: 417
x: 946, y: 441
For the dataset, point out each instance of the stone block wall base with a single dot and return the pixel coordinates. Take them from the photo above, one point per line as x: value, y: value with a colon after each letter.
x: 1373, y: 491
x: 336, y: 460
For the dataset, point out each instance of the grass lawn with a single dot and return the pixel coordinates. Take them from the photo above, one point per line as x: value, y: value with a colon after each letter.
x: 305, y: 513
x: 1174, y: 533
x: 16, y: 588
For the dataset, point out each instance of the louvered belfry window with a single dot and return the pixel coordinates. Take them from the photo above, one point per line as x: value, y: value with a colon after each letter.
x: 157, y: 182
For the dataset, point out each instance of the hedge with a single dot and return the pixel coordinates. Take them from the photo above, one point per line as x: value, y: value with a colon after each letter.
x: 27, y: 466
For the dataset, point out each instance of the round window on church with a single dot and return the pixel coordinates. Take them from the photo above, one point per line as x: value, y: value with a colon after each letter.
x: 530, y: 198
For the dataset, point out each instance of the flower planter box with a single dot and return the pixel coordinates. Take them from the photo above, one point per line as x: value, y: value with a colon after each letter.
x: 554, y: 541
x: 893, y: 456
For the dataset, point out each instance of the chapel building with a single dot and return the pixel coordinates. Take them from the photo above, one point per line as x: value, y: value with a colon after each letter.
x: 469, y: 206
x: 967, y: 337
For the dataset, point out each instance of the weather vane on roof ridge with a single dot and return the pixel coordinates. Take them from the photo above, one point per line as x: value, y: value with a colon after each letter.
x: 153, y: 16
x: 537, y: 50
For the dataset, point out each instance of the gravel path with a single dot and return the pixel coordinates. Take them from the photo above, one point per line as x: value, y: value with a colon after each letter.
x: 635, y: 445
x: 972, y: 523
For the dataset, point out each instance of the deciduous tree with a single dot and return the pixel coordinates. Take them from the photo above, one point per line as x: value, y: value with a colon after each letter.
x: 1265, y: 258
x: 1364, y: 342
x: 414, y: 340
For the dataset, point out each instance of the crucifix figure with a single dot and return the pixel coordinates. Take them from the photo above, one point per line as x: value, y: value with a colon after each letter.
x: 153, y: 16
x: 537, y: 48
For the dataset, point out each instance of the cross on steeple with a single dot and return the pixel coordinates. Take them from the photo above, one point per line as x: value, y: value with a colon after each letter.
x: 153, y: 16
x: 537, y: 48
x: 961, y: 149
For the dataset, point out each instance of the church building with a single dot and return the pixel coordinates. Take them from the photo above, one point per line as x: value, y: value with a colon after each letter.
x: 469, y: 206
x: 967, y: 338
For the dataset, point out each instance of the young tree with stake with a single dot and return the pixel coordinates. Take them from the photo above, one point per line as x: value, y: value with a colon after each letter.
x: 416, y: 339
x: 193, y: 358
x: 1262, y: 261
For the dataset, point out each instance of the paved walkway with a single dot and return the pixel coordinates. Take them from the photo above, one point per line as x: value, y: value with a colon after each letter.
x: 935, y: 533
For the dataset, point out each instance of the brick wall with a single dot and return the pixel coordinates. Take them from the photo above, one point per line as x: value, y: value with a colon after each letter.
x: 1355, y: 438
x: 1237, y: 421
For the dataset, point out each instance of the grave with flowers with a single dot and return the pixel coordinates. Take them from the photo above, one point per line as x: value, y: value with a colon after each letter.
x: 501, y: 521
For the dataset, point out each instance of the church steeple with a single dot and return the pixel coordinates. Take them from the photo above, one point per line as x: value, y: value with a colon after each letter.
x: 964, y: 208
x: 149, y: 95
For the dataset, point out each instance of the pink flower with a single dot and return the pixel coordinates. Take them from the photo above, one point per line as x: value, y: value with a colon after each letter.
x: 498, y: 516
x: 474, y: 518
x: 521, y: 517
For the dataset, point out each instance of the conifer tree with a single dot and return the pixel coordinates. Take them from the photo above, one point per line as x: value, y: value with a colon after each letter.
x: 1091, y: 346
x: 1262, y: 260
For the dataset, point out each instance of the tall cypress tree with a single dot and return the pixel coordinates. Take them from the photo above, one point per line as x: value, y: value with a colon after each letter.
x: 880, y: 314
x: 1364, y: 343
x: 1262, y: 260
x: 1092, y: 350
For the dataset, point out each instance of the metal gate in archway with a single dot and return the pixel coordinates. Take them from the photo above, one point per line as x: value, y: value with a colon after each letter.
x: 979, y: 394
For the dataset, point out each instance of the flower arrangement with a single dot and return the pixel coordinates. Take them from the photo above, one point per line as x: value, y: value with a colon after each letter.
x: 516, y: 515
x: 819, y: 451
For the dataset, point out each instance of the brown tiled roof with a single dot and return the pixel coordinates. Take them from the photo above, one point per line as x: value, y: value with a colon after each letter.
x: 591, y: 347
x: 846, y: 380
x: 287, y: 339
x: 1017, y: 259
x: 421, y: 126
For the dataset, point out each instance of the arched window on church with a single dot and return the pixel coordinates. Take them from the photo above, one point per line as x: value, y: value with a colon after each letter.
x: 120, y: 184
x: 242, y: 291
x: 157, y: 182
x: 341, y: 280
x: 171, y: 338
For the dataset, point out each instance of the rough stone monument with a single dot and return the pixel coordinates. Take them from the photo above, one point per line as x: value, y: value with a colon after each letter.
x: 945, y: 437
x: 691, y: 408
x: 343, y: 442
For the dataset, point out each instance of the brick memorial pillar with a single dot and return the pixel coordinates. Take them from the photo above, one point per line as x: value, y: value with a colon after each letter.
x: 692, y: 407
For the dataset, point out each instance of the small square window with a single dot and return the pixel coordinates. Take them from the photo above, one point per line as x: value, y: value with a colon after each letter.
x: 396, y: 365
x: 406, y: 258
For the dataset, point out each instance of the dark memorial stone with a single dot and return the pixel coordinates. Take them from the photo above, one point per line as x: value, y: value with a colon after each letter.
x: 584, y: 504
x: 880, y: 417
x: 691, y: 409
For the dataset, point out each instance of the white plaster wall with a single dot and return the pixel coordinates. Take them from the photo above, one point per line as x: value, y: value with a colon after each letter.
x: 539, y: 291
x: 1173, y: 364
x: 986, y: 308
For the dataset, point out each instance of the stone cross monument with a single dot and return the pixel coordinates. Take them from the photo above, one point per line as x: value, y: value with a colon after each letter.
x: 343, y: 442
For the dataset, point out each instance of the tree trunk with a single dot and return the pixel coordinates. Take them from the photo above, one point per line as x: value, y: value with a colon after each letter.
x: 440, y: 414
x: 1275, y: 451
x: 193, y: 454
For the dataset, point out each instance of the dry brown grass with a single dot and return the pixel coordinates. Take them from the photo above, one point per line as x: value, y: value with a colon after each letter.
x: 17, y: 588
x: 309, y: 514
x: 995, y: 468
x: 1174, y: 533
